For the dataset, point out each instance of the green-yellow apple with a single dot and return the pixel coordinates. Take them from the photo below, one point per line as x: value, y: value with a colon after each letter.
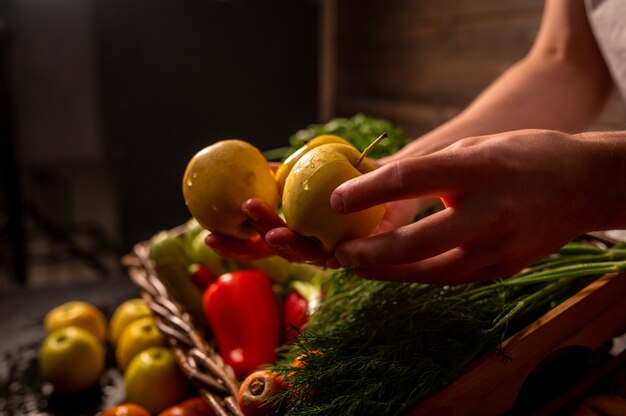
x: 128, y: 312
x: 154, y: 381
x: 71, y: 359
x: 283, y: 170
x: 168, y: 250
x: 306, y: 196
x: 219, y: 178
x: 77, y: 313
x: 136, y: 337
x: 202, y: 254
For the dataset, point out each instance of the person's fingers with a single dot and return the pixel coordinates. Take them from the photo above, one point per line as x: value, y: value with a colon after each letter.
x: 262, y: 217
x: 427, y: 176
x: 294, y: 247
x: 433, y: 235
x: 398, y: 213
x: 451, y: 267
x: 253, y: 248
x: 456, y: 266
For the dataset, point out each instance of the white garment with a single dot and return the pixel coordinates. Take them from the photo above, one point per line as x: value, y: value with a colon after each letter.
x: 608, y: 22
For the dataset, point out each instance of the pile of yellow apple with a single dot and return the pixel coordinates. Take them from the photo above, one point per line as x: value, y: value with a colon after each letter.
x: 220, y: 177
x: 72, y: 356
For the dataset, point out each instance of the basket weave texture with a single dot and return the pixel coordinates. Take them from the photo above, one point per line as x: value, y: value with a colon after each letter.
x: 197, y: 357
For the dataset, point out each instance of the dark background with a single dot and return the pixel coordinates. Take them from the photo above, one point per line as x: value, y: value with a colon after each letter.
x: 178, y: 75
x: 105, y: 101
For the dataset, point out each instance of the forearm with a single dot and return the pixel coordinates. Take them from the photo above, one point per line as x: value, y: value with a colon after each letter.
x: 606, y: 178
x: 562, y: 84
x: 535, y: 93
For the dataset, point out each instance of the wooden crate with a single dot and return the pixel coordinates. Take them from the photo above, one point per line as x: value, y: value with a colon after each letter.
x: 591, y: 318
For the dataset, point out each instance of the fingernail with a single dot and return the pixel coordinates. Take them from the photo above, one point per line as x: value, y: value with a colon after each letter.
x: 209, y: 239
x: 249, y: 213
x: 337, y: 203
x: 272, y: 241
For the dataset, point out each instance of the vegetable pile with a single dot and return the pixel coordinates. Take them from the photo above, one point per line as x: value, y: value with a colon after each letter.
x: 249, y: 306
x: 386, y: 346
x: 369, y: 347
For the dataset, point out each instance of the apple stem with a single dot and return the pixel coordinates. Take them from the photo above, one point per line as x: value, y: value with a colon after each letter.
x: 369, y: 148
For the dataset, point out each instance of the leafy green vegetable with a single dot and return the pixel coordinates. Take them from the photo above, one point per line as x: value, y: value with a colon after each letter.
x: 386, y: 346
x: 360, y: 130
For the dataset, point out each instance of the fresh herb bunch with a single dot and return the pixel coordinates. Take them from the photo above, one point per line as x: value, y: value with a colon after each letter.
x: 378, y: 348
x: 360, y: 130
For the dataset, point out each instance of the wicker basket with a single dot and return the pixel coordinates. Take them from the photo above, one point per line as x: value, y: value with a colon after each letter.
x: 213, y: 378
x: 591, y: 318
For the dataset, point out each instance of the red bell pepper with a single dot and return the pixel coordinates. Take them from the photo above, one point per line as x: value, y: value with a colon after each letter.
x: 295, y: 314
x: 243, y: 312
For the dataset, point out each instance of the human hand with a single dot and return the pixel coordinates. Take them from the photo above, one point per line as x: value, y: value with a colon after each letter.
x: 511, y: 199
x: 265, y: 220
x: 273, y: 238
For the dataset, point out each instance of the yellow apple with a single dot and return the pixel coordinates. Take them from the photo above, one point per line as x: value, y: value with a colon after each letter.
x: 137, y: 337
x: 306, y: 196
x: 71, y: 359
x: 219, y: 178
x: 283, y: 170
x: 154, y: 381
x: 128, y: 312
x: 77, y: 313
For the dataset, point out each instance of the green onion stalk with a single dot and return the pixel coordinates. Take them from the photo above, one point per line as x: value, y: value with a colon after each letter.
x: 379, y: 348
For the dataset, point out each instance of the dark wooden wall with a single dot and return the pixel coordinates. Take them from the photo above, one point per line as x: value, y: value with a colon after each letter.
x: 179, y: 75
x: 419, y: 62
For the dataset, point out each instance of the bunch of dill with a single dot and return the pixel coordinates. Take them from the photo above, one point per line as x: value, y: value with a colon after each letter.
x: 378, y: 348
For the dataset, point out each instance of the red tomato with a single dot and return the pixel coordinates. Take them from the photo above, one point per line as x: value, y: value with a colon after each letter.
x: 126, y: 409
x: 190, y: 407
